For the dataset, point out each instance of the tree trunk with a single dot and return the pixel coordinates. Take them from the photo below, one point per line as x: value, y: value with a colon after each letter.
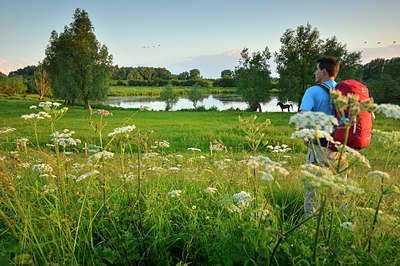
x: 255, y: 107
x: 86, y: 101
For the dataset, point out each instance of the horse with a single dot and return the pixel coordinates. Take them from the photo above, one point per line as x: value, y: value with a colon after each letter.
x: 285, y: 106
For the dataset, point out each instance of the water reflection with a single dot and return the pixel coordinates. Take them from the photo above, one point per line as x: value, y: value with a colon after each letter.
x: 220, y: 102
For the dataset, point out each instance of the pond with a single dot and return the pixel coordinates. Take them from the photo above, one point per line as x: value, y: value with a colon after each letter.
x: 217, y: 101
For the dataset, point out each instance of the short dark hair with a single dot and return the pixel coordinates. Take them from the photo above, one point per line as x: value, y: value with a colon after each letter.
x: 330, y: 63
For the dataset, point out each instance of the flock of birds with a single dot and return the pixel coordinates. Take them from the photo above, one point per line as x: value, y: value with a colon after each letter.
x: 156, y: 46
x: 379, y: 42
x: 150, y: 46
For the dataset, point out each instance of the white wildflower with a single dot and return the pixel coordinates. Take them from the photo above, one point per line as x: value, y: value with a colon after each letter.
x: 64, y: 139
x: 266, y: 176
x: 218, y: 146
x: 48, y: 189
x: 233, y: 208
x: 122, y: 130
x: 348, y: 226
x: 103, y: 155
x: 352, y: 153
x: 45, y: 104
x: 174, y: 193
x: 126, y: 177
x: 42, y: 168
x: 173, y: 169
x: 86, y: 175
x: 6, y: 130
x: 260, y: 215
x: 310, y: 134
x: 211, y: 190
x: 389, y: 110
x: 243, y: 198
x: 379, y: 174
x: 161, y: 144
x: 314, y: 120
x: 33, y: 107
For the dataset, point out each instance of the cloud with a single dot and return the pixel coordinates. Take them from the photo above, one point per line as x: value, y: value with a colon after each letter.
x: 210, y: 66
x: 387, y: 52
x: 6, y: 66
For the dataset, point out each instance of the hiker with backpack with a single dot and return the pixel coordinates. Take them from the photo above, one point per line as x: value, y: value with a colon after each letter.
x: 317, y: 99
x: 353, y: 111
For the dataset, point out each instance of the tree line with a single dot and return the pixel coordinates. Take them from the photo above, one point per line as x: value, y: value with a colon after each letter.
x: 78, y: 67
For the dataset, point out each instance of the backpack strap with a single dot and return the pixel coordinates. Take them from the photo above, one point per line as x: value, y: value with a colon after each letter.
x: 326, y: 87
x: 328, y: 90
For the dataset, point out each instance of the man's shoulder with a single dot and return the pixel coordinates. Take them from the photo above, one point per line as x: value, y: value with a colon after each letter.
x: 314, y: 88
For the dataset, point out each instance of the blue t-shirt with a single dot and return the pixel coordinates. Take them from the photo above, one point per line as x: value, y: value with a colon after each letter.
x: 317, y: 99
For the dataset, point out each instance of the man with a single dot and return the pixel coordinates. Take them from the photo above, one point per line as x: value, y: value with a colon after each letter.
x: 317, y: 99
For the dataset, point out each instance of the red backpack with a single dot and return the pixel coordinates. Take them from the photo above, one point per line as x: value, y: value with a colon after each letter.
x: 360, y: 137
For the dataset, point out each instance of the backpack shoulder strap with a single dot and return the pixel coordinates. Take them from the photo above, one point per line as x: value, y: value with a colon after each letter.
x: 328, y: 90
x: 323, y: 85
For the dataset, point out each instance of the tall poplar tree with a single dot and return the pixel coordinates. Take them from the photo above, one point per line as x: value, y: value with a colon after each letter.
x: 79, y: 67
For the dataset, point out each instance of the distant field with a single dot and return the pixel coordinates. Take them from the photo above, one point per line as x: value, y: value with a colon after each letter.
x: 155, y: 91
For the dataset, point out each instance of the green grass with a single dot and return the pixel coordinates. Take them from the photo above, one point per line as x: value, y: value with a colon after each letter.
x: 122, y: 214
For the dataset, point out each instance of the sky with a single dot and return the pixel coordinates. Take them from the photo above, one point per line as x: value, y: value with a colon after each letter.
x: 181, y: 35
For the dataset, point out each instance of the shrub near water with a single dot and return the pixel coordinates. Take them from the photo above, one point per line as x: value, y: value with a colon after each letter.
x: 125, y: 199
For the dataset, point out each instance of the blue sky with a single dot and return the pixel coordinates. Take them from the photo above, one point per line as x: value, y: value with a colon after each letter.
x: 203, y: 34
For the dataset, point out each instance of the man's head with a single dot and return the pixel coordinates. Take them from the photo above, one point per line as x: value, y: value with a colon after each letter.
x: 327, y: 68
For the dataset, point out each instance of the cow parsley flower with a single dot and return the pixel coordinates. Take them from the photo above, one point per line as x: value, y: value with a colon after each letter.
x: 175, y: 193
x: 64, y: 139
x: 210, y: 190
x: 243, y: 198
x: 311, y: 134
x: 193, y: 149
x: 103, y: 155
x: 389, y: 110
x: 348, y: 226
x: 6, y: 130
x: 86, y: 175
x: 379, y: 174
x: 315, y: 120
x: 161, y: 144
x: 122, y: 130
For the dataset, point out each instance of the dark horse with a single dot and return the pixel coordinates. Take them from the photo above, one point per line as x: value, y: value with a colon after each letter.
x: 285, y: 106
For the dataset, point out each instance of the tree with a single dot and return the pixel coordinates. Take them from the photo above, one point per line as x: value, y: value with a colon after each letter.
x: 41, y: 81
x: 77, y: 64
x: 382, y: 80
x: 373, y: 68
x: 296, y: 62
x: 169, y: 96
x: 12, y: 85
x: 183, y: 76
x: 194, y: 74
x: 27, y: 74
x: 196, y: 95
x: 384, y: 89
x: 350, y: 62
x: 227, y: 73
x: 297, y: 56
x: 252, y: 78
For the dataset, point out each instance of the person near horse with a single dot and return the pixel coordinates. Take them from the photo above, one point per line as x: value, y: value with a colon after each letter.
x: 317, y: 99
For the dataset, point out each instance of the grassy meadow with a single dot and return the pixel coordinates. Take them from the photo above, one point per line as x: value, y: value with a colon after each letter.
x: 131, y: 187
